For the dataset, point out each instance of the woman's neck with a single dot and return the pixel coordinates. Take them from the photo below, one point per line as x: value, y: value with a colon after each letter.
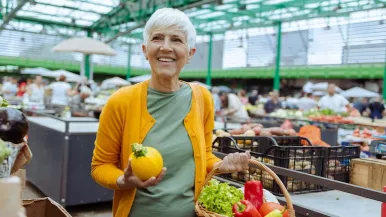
x: 164, y: 85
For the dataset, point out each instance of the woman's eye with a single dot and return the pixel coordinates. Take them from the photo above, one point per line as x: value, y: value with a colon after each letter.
x: 177, y: 40
x: 156, y: 38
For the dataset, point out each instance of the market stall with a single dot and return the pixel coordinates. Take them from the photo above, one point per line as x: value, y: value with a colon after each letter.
x: 62, y: 159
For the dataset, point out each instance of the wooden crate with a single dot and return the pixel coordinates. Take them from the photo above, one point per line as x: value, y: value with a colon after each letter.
x: 368, y: 173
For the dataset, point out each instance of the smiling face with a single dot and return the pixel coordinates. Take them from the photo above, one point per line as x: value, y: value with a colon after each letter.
x: 167, y: 51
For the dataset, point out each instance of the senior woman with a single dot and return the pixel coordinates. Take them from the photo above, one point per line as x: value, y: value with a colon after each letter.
x: 175, y: 117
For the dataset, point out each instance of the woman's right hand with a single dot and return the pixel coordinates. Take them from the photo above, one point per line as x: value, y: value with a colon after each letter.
x: 128, y: 180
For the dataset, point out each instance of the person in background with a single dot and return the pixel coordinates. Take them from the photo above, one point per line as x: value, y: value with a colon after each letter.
x: 216, y: 99
x: 60, y: 92
x: 361, y: 105
x: 334, y: 101
x: 377, y: 109
x: 243, y: 97
x: 233, y: 108
x: 36, y: 91
x: 253, y: 98
x: 273, y: 104
x: 22, y: 87
x: 307, y: 102
x: 10, y: 88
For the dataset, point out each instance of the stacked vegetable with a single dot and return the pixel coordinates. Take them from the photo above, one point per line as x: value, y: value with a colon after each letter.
x: 229, y: 201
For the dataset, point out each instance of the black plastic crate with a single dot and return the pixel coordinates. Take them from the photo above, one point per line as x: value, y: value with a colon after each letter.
x: 337, y: 162
x: 289, y: 154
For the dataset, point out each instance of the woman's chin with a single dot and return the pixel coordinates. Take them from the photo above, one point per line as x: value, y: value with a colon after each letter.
x: 166, y: 74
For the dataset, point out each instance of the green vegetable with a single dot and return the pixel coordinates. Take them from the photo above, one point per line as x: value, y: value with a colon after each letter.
x: 220, y: 197
x: 4, y: 151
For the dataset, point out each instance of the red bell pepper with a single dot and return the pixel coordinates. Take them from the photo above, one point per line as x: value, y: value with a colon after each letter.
x: 245, y: 208
x: 253, y: 192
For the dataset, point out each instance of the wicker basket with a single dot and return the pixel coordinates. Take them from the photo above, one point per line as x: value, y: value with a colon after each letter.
x: 201, y: 212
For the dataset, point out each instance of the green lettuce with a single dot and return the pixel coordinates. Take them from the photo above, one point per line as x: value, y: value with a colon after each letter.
x: 4, y: 151
x: 220, y: 197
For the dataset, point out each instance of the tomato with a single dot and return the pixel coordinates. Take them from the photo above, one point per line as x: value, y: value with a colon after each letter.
x: 146, y: 162
x: 269, y: 207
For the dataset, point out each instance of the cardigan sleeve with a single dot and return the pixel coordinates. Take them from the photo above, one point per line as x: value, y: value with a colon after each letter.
x: 211, y: 159
x: 106, y: 156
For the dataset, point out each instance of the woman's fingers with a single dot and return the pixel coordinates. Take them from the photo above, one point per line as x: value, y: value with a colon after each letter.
x: 128, y: 170
x: 160, y: 176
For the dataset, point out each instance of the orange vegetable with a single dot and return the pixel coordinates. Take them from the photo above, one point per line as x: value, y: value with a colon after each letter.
x: 266, y: 208
x: 146, y: 162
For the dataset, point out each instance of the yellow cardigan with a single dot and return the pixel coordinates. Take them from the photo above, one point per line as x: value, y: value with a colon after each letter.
x: 125, y: 120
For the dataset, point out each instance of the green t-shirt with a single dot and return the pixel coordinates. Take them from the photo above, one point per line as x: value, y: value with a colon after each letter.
x: 174, y: 195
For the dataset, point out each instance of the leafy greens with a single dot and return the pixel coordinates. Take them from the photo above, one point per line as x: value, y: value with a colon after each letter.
x: 220, y: 197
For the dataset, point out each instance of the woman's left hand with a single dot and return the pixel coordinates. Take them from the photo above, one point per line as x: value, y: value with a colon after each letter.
x: 235, y: 162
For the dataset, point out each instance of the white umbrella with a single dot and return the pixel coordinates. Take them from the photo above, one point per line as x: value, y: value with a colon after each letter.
x: 140, y: 78
x: 84, y: 45
x: 36, y: 71
x: 114, y: 82
x: 359, y: 92
x: 323, y: 86
x: 202, y: 84
x: 307, y: 88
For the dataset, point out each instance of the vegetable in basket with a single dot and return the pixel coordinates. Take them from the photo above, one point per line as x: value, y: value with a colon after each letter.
x: 219, y: 197
x: 146, y: 162
x: 253, y: 192
x: 267, y: 208
x: 245, y: 208
x: 13, y: 125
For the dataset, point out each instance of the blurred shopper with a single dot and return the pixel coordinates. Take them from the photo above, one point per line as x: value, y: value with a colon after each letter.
x: 253, y: 98
x: 307, y: 102
x: 376, y: 108
x: 10, y: 88
x: 233, y: 108
x: 243, y: 97
x: 361, y: 105
x: 334, y: 101
x: 21, y: 87
x: 60, y: 92
x: 36, y: 90
x: 272, y: 104
x: 216, y: 100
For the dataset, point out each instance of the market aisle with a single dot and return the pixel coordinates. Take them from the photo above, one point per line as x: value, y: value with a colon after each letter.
x: 93, y: 210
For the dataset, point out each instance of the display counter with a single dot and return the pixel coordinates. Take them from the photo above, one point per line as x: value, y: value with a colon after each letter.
x: 62, y: 150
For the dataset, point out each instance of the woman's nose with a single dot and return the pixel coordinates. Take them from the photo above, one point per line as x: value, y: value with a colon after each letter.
x: 166, y: 46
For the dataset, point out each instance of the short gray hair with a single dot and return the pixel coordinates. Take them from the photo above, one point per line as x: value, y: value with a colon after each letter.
x: 167, y: 17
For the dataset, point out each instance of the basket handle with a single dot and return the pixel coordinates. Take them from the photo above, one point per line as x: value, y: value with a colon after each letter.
x: 290, y: 207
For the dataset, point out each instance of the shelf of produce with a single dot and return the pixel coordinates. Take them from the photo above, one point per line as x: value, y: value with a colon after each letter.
x: 62, y: 150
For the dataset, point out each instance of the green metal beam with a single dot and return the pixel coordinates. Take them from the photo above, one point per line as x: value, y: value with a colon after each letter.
x: 87, y: 63
x: 69, y: 7
x: 210, y: 47
x: 347, y: 71
x: 55, y: 15
x: 92, y: 3
x: 276, y: 79
x: 12, y: 14
x: 49, y: 22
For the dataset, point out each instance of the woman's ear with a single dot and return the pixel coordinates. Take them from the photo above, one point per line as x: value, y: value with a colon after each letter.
x: 144, y: 51
x: 191, y: 53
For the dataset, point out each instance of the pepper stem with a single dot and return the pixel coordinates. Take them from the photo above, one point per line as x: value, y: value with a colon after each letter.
x: 138, y: 150
x: 241, y: 207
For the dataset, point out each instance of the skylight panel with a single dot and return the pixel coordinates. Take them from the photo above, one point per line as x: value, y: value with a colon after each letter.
x: 273, y: 2
x: 211, y: 15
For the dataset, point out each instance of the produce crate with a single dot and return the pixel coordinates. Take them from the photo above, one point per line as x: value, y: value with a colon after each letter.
x: 286, y: 152
x: 337, y: 162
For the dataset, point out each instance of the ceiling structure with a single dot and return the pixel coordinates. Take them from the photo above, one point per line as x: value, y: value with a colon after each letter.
x: 121, y: 20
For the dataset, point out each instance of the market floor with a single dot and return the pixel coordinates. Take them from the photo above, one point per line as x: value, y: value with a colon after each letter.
x: 93, y: 210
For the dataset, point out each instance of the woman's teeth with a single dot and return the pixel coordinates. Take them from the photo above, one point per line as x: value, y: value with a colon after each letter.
x: 165, y: 60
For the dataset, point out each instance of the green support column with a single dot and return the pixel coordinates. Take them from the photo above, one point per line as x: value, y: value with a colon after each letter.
x: 129, y: 63
x: 208, y: 76
x: 276, y: 79
x: 87, y: 64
